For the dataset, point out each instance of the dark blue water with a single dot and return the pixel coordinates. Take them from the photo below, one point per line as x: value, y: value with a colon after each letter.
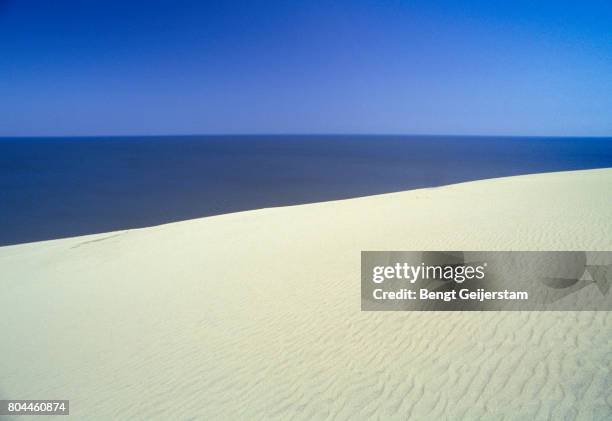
x: 59, y: 187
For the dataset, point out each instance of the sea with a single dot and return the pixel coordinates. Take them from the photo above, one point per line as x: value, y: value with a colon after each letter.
x: 60, y: 187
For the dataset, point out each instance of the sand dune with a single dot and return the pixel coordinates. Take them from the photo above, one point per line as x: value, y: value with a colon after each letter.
x: 256, y: 315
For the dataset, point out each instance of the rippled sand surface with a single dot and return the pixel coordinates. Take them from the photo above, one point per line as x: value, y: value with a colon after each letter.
x: 256, y: 315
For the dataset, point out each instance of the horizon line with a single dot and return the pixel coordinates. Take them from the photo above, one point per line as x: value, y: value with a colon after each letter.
x: 99, y: 136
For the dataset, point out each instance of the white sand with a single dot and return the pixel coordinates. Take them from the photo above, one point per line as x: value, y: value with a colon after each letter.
x: 256, y: 315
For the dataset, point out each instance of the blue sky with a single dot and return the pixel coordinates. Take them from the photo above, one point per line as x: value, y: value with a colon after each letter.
x: 175, y: 67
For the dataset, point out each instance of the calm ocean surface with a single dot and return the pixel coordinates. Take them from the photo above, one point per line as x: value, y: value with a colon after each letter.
x: 60, y: 187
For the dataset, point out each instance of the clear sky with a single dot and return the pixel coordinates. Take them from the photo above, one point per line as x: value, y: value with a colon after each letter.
x: 435, y: 67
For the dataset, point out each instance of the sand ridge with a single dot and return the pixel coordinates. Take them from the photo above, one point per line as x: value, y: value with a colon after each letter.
x: 256, y: 315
